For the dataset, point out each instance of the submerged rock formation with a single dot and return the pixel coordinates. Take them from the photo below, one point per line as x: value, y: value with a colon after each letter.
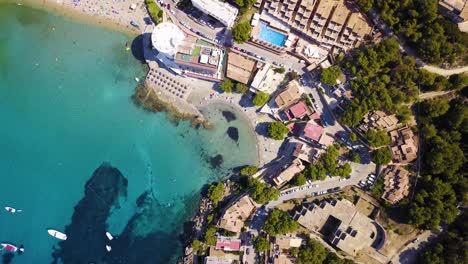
x: 229, y: 116
x: 233, y: 133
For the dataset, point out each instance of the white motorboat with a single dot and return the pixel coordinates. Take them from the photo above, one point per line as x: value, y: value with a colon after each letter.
x: 137, y: 80
x: 109, y: 236
x: 12, y: 210
x: 57, y: 234
x: 9, y: 247
x: 108, y: 248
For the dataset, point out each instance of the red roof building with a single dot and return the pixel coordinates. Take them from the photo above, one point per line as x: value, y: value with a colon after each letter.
x: 313, y: 131
x: 228, y: 244
x: 298, y: 111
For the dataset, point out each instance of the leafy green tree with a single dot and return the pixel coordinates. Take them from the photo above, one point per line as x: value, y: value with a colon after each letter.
x: 382, y: 156
x: 313, y: 253
x: 355, y: 157
x: 329, y: 158
x: 444, y: 157
x: 434, y: 204
x: 403, y: 114
x: 353, y: 137
x: 301, y: 179
x: 434, y: 108
x: 330, y: 75
x: 210, y: 236
x: 277, y: 130
x: 261, y: 193
x: 227, y: 85
x: 249, y: 170
x: 294, y: 251
x: 458, y: 81
x: 365, y: 5
x: 261, y: 98
x: 239, y: 3
x: 317, y: 172
x: 241, y: 88
x: 196, y: 244
x: 344, y: 171
x: 279, y: 222
x: 241, y: 32
x: 377, y: 138
x: 261, y: 244
x: 215, y: 192
x: 280, y: 70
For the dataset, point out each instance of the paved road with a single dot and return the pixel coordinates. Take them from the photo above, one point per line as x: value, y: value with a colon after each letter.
x: 360, y: 172
x: 409, y: 253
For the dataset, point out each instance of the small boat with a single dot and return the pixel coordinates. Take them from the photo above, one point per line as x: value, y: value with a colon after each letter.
x: 108, y: 248
x: 12, y: 210
x: 20, y: 4
x: 134, y: 23
x: 9, y: 247
x: 57, y: 234
x: 127, y: 47
x: 137, y: 80
x: 109, y: 236
x: 21, y: 250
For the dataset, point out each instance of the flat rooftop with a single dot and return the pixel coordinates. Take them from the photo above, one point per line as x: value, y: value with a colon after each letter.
x: 239, y: 68
x: 224, y: 12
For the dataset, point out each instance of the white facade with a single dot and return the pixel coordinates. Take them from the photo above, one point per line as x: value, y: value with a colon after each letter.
x: 223, y: 12
x: 166, y: 38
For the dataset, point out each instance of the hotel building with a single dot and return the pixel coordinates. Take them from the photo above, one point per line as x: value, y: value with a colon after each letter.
x: 329, y: 23
x: 184, y: 55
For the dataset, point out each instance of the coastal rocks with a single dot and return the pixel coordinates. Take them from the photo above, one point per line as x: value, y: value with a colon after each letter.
x: 146, y: 98
x: 233, y: 134
x: 229, y: 116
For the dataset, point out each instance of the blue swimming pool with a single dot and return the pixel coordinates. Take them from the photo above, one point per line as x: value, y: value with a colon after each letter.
x: 272, y: 36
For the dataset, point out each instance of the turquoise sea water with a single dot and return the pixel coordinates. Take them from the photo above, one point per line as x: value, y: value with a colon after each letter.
x: 65, y: 110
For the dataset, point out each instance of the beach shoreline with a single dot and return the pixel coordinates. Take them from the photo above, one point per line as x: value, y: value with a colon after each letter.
x: 119, y: 22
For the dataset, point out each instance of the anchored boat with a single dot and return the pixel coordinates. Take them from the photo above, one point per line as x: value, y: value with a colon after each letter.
x: 57, y: 234
x: 9, y: 247
x: 12, y: 210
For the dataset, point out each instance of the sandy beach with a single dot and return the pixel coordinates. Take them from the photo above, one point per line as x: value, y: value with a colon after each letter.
x: 267, y: 148
x: 112, y: 14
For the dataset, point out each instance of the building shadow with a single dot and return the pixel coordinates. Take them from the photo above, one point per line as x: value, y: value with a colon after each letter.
x: 262, y: 129
x: 136, y: 48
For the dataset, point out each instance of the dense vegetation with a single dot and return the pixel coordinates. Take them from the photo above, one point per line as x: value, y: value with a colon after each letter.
x: 261, y: 193
x: 383, y: 79
x: 377, y: 138
x: 215, y: 192
x: 327, y: 164
x: 279, y: 223
x: 261, y: 98
x: 450, y: 247
x: 382, y: 156
x: 277, y: 130
x: 261, y: 244
x: 315, y: 253
x: 436, y: 39
x: 227, y: 85
x: 248, y: 170
x: 443, y: 183
x: 154, y: 10
x: 330, y: 75
x: 241, y: 88
x: 241, y: 32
